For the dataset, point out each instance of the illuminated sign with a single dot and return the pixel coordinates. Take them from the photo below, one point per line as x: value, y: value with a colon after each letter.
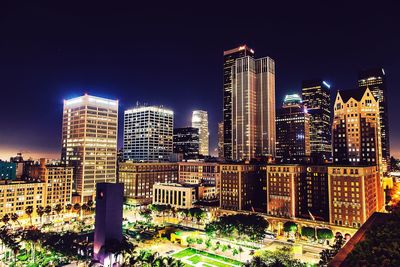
x: 326, y: 84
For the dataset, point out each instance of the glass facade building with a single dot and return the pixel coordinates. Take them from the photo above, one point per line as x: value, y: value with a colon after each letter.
x: 186, y: 142
x: 317, y: 99
x: 375, y: 80
x: 148, y: 134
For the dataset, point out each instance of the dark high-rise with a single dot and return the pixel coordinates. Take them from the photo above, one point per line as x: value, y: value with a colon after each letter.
x: 293, y: 131
x: 230, y: 57
x: 186, y: 142
x: 375, y: 80
x: 316, y: 98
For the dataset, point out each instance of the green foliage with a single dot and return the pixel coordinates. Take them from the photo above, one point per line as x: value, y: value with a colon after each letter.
x: 381, y: 246
x: 241, y: 226
x: 190, y: 240
x: 281, y: 257
x: 290, y: 227
x: 308, y: 231
x: 199, y: 240
x: 208, y: 243
x: 324, y: 233
x: 327, y: 255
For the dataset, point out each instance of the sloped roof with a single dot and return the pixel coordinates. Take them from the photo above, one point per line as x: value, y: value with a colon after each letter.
x: 357, y: 94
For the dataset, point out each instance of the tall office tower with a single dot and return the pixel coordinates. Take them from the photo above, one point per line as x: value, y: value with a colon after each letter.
x: 253, y: 108
x: 375, y: 80
x: 89, y: 141
x: 317, y: 99
x: 200, y: 121
x: 356, y: 129
x: 148, y: 134
x: 186, y: 142
x: 221, y: 140
x: 293, y: 126
x: 230, y: 57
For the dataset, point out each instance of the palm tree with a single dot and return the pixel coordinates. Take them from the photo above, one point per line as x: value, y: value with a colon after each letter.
x: 40, y: 212
x: 68, y: 207
x: 5, y: 219
x: 47, y: 210
x: 33, y: 236
x: 29, y: 211
x: 77, y: 207
x: 90, y: 204
x: 14, y: 218
x: 58, y: 208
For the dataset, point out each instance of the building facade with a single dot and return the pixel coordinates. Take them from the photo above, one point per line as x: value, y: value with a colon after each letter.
x: 206, y: 173
x: 356, y: 129
x: 148, y: 134
x: 354, y: 194
x: 253, y: 108
x: 89, y: 142
x: 293, y: 126
x: 176, y: 195
x: 200, y: 121
x: 317, y: 99
x: 230, y: 57
x: 139, y: 178
x: 186, y: 142
x: 243, y: 187
x: 221, y: 140
x: 8, y: 170
x: 375, y: 80
x: 16, y: 196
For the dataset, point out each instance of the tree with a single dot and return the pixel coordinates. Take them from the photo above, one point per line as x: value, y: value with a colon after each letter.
x: 68, y: 207
x: 199, y: 240
x: 308, y: 232
x: 190, y: 240
x: 29, y: 211
x: 281, y: 257
x: 14, y: 217
x: 324, y: 233
x: 40, y: 212
x: 58, y: 208
x: 208, y: 243
x: 47, y: 210
x: 146, y: 214
x: 327, y: 255
x: 241, y: 226
x: 77, y: 207
x: 235, y: 252
x: 5, y: 219
x: 290, y: 227
x: 90, y: 205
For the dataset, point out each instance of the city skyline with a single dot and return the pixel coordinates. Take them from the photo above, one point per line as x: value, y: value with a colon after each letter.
x: 60, y: 76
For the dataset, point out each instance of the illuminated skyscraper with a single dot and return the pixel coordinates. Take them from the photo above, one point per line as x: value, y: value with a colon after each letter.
x: 356, y: 129
x: 253, y: 108
x: 375, y: 80
x: 317, y: 99
x: 200, y: 121
x: 230, y: 57
x: 148, y: 134
x: 89, y: 141
x: 293, y: 126
x: 221, y: 140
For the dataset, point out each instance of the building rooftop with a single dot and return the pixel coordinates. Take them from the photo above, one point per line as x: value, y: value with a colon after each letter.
x: 357, y: 94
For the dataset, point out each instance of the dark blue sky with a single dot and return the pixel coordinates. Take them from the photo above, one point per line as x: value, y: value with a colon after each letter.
x: 171, y: 54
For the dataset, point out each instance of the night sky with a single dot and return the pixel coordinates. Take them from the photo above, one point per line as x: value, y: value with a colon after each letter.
x: 171, y: 54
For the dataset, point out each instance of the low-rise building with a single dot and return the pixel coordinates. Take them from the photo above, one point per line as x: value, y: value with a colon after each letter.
x: 296, y: 190
x: 57, y: 181
x: 139, y: 177
x: 199, y: 172
x: 16, y: 196
x: 355, y: 194
x: 243, y: 187
x: 176, y: 195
